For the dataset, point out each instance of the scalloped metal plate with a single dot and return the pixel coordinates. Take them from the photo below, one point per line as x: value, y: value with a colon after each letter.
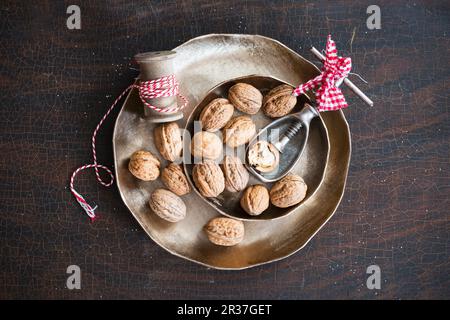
x: 203, y: 63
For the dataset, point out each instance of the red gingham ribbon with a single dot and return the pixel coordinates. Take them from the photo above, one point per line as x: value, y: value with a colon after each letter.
x: 163, y: 87
x: 328, y: 96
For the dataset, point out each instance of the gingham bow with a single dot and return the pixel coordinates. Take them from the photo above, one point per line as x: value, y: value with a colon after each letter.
x: 328, y: 96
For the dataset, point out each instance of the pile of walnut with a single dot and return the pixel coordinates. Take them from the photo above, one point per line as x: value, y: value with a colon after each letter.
x: 210, y: 178
x: 167, y: 204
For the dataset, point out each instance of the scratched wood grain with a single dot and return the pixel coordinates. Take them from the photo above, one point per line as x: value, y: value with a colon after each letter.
x: 56, y: 83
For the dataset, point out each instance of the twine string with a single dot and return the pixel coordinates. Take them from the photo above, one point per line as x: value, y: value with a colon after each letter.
x: 162, y: 87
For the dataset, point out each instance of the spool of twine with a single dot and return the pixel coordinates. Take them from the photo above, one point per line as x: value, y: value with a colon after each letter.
x: 157, y: 65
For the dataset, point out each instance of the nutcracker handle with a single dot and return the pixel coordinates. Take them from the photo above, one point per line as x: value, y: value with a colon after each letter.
x: 288, y: 135
x: 347, y: 82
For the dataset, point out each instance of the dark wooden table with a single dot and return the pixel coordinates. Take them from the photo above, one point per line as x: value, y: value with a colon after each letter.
x: 56, y: 84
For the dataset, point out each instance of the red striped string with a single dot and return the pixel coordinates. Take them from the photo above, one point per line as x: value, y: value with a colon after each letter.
x: 163, y: 87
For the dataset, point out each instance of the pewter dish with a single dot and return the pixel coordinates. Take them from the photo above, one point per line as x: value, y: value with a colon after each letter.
x: 203, y: 63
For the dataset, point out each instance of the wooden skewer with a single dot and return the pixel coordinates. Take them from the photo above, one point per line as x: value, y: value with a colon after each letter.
x: 347, y: 82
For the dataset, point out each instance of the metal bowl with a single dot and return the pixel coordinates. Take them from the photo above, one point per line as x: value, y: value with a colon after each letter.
x: 203, y: 63
x: 311, y: 165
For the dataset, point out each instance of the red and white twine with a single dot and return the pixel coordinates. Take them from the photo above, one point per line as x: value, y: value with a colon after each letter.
x: 159, y: 88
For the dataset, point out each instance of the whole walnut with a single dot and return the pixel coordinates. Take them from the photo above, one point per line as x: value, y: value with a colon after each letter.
x: 208, y: 178
x: 238, y: 131
x: 144, y: 165
x: 245, y: 98
x: 279, y: 101
x: 255, y: 200
x: 167, y: 205
x: 236, y: 176
x: 168, y: 140
x: 216, y: 114
x: 206, y: 145
x: 225, y: 231
x: 175, y: 180
x: 288, y: 191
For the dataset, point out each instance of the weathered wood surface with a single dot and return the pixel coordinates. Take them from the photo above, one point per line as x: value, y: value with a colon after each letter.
x: 56, y: 83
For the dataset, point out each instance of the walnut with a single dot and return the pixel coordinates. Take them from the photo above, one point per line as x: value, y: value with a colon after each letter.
x: 206, y: 145
x: 238, y: 131
x: 174, y: 179
x: 236, y: 176
x: 263, y: 156
x: 288, y: 191
x: 208, y: 178
x: 216, y: 114
x: 255, y: 199
x: 168, y: 140
x: 144, y: 165
x: 167, y: 205
x: 225, y: 231
x: 245, y: 98
x: 279, y: 101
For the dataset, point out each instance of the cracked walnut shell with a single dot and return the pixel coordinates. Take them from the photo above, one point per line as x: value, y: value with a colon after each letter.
x: 238, y: 131
x: 255, y: 200
x: 279, y: 101
x: 167, y: 205
x: 175, y: 180
x: 263, y: 156
x: 144, y: 165
x: 246, y: 98
x: 216, y: 114
x: 168, y: 140
x: 225, y: 231
x: 288, y: 191
x: 236, y: 176
x: 208, y: 178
